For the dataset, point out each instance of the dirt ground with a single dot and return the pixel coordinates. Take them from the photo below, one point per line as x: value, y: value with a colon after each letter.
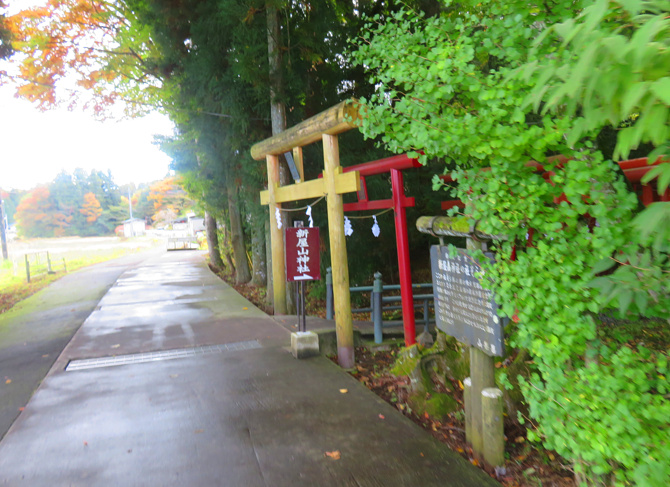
x: 526, y: 464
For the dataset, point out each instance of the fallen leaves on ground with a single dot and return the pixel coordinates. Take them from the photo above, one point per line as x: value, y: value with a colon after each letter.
x: 252, y: 293
x: 335, y: 455
x: 21, y: 290
x: 372, y: 370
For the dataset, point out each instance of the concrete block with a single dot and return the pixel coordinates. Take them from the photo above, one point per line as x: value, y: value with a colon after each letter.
x: 304, y: 344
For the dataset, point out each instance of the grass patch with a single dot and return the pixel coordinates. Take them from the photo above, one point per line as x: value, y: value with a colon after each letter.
x: 15, y: 288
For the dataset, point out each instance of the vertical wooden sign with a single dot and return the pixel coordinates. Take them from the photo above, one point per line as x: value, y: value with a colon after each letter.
x: 303, y: 259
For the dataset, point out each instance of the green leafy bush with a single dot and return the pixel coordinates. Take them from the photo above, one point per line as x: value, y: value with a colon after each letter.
x: 488, y: 87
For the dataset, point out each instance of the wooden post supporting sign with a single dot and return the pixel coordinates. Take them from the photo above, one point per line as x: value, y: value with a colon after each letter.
x: 482, y: 371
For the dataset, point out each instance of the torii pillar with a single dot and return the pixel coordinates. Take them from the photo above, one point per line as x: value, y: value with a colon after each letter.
x: 325, y: 126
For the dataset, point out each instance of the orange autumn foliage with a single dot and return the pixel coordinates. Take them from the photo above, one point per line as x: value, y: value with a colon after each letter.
x: 36, y: 217
x: 91, y: 208
x: 90, y: 42
x: 168, y: 197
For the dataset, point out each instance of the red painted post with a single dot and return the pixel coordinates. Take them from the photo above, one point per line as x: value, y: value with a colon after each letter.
x: 403, y: 257
x: 647, y: 195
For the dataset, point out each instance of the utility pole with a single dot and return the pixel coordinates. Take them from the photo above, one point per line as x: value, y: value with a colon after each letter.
x: 3, y: 233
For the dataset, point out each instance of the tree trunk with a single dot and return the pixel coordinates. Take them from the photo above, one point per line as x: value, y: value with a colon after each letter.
x: 213, y: 241
x: 277, y: 107
x: 278, y: 117
x: 227, y: 247
x: 258, y: 255
x: 242, y: 271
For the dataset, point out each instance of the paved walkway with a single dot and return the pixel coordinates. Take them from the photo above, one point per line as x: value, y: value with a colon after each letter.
x: 175, y: 379
x: 35, y: 331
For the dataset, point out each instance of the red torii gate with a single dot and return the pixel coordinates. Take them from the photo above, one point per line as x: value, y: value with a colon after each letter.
x: 399, y: 201
x: 633, y: 169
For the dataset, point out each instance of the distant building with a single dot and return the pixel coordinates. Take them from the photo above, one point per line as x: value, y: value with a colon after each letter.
x: 196, y: 224
x: 190, y: 224
x: 134, y: 227
x: 11, y: 233
x: 180, y: 224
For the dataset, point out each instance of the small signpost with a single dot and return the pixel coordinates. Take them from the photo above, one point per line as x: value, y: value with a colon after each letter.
x: 303, y: 262
x: 466, y: 311
x: 463, y: 308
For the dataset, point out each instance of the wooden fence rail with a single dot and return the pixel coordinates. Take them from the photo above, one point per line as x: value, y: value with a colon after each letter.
x: 39, y: 263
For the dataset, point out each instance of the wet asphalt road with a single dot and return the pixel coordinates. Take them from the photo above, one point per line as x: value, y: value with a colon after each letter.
x: 35, y: 332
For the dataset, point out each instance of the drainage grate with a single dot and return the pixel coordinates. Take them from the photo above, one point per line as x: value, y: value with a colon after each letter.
x: 163, y: 302
x: 140, y: 358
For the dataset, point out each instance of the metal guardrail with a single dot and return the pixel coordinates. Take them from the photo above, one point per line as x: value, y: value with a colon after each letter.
x: 186, y: 243
x: 380, y: 303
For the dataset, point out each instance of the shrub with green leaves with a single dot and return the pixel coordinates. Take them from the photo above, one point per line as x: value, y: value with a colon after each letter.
x: 489, y: 86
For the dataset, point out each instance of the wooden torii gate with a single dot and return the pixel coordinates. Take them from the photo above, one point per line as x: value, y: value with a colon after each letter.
x: 325, y: 126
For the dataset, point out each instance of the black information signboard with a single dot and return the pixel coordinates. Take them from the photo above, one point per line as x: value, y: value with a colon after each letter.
x: 463, y: 309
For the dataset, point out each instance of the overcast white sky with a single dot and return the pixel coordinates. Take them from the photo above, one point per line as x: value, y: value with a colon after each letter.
x: 35, y: 146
